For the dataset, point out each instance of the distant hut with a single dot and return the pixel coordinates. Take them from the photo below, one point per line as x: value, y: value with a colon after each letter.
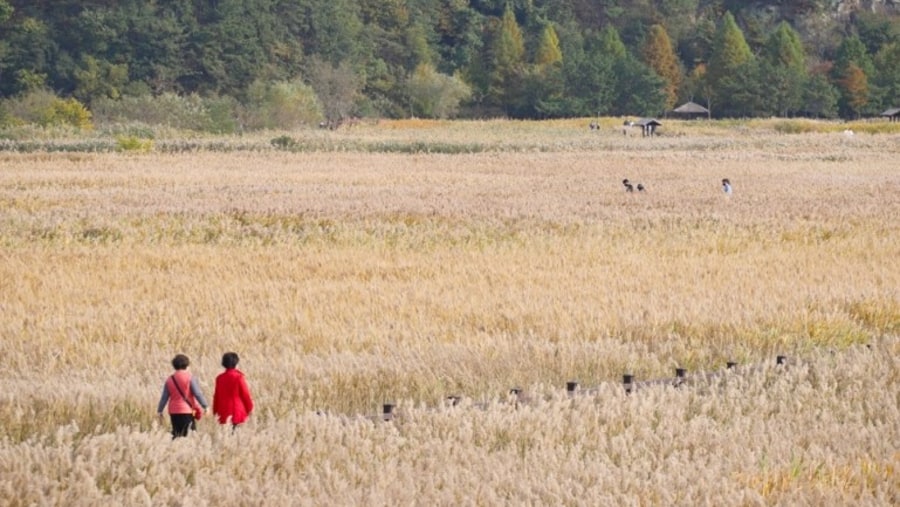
x: 691, y: 110
x: 892, y: 114
x: 648, y: 126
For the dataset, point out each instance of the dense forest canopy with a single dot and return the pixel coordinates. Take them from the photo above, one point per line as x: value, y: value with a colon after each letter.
x: 276, y: 63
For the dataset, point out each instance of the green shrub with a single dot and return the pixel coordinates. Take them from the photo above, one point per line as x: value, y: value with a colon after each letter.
x: 436, y: 95
x: 135, y: 144
x: 69, y: 112
x: 189, y: 112
x: 221, y: 115
x: 280, y: 105
x: 44, y: 108
x: 283, y: 142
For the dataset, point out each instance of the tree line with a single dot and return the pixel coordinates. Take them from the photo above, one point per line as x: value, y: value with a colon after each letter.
x: 229, y: 64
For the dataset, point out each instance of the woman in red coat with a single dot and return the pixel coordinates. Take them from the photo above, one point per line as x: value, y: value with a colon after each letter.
x: 231, y: 399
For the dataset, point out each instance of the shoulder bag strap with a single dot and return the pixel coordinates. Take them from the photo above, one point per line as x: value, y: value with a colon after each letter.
x: 175, y: 382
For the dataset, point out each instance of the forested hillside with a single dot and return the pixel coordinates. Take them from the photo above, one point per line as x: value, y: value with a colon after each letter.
x: 224, y: 65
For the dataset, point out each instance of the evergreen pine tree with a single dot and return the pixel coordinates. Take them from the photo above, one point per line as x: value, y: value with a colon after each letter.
x: 508, y: 60
x: 820, y: 97
x: 887, y: 76
x: 852, y: 68
x: 610, y: 43
x: 589, y: 79
x: 730, y: 51
x: 658, y: 54
x: 543, y: 83
x: 548, y: 51
x: 784, y: 65
x: 730, y: 65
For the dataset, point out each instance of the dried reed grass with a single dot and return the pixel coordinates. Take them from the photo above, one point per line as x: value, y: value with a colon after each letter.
x: 349, y: 279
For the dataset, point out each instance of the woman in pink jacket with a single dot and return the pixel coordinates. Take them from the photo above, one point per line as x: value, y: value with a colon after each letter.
x: 181, y: 393
x: 231, y: 399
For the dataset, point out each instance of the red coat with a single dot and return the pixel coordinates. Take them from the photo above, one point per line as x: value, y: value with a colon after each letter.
x: 232, y: 397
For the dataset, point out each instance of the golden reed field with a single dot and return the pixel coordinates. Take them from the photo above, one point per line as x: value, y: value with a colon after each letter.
x: 406, y: 262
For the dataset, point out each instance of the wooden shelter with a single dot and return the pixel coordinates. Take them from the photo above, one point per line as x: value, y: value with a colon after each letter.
x: 691, y: 110
x: 892, y: 114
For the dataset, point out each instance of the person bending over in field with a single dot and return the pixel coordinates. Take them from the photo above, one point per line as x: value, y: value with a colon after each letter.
x: 181, y: 392
x: 231, y: 399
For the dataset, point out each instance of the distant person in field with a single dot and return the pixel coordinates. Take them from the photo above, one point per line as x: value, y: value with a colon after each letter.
x: 628, y: 186
x: 181, y: 392
x: 726, y: 186
x: 231, y: 400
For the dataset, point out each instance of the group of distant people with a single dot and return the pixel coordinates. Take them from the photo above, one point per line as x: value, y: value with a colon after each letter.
x: 232, y: 402
x: 630, y: 187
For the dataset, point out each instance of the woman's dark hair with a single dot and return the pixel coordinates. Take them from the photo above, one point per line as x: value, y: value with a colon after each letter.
x: 230, y: 360
x: 181, y: 362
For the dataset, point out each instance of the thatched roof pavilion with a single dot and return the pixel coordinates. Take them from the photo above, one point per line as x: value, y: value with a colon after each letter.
x: 691, y: 110
x: 892, y: 114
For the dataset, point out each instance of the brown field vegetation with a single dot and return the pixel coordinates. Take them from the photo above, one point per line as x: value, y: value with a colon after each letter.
x: 347, y: 276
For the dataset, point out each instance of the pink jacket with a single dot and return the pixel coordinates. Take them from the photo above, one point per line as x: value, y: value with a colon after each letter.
x: 177, y: 405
